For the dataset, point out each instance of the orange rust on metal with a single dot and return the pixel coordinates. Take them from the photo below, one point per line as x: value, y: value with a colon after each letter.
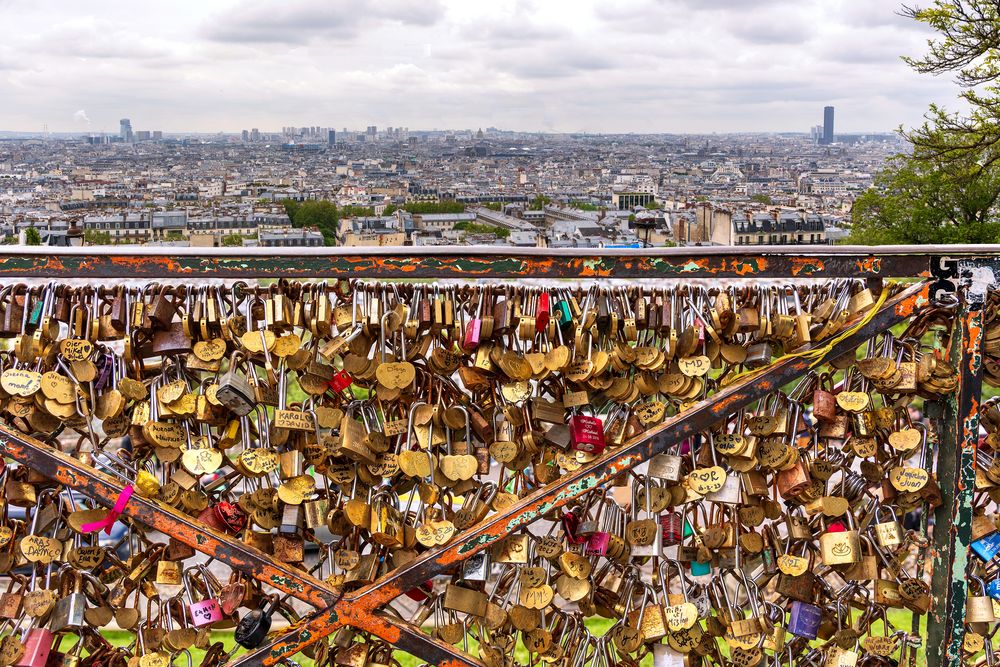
x: 807, y: 265
x: 722, y: 405
x: 165, y: 264
x: 748, y: 269
x: 71, y: 473
x: 870, y: 265
x: 907, y: 307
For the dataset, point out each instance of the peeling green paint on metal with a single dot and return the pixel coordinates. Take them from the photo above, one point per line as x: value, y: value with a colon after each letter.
x: 280, y: 651
x: 285, y: 583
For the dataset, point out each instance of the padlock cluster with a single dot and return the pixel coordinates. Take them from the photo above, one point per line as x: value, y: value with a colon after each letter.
x: 347, y: 428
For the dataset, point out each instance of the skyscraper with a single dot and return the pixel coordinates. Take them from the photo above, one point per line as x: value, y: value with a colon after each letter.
x: 827, y: 125
x: 331, y: 137
x: 125, y: 127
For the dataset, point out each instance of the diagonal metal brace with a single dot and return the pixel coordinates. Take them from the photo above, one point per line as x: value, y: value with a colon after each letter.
x: 104, y: 489
x: 360, y: 608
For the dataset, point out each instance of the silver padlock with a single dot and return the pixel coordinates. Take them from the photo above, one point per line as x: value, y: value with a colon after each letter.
x: 477, y: 567
x: 69, y: 609
x: 235, y: 391
x: 664, y: 656
x: 668, y: 466
x: 559, y: 436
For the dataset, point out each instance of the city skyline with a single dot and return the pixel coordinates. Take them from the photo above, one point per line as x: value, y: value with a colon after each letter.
x: 673, y: 66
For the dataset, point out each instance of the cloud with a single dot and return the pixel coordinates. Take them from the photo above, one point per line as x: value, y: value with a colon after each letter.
x: 298, y: 21
x: 630, y: 65
x: 81, y: 117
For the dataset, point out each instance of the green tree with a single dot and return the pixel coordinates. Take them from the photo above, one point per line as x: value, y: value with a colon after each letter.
x: 654, y: 205
x: 321, y: 214
x: 390, y: 209
x: 917, y: 201
x: 479, y: 228
x: 32, y: 236
x: 174, y: 235
x: 539, y: 202
x: 232, y: 241
x: 291, y: 208
x: 355, y: 211
x: 762, y: 199
x: 493, y: 205
x: 945, y: 190
x: 968, y: 46
x: 96, y: 237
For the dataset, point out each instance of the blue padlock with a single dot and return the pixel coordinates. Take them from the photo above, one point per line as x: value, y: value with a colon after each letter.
x: 987, y: 547
x: 805, y: 619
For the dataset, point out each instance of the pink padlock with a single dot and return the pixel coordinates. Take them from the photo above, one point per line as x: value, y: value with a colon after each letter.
x: 37, y: 646
x: 597, y: 543
x: 473, y: 329
x: 205, y: 612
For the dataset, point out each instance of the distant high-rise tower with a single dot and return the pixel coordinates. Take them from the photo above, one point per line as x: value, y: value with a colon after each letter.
x: 125, y: 126
x: 827, y: 125
x: 331, y: 137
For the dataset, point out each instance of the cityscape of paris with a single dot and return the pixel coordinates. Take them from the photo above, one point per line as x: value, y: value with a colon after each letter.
x: 521, y: 333
x: 644, y: 124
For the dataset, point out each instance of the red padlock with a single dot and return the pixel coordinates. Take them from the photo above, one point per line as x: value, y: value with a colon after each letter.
x: 421, y: 592
x: 225, y: 517
x: 597, y: 543
x: 542, y: 313
x: 672, y: 525
x: 570, y: 521
x: 587, y: 434
x: 341, y: 380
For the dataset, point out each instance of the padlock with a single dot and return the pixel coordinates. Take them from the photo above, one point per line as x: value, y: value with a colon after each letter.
x: 889, y: 534
x: 11, y: 599
x: 69, y: 609
x: 667, y: 466
x: 203, y: 612
x: 477, y: 567
x: 978, y: 607
x: 234, y: 390
x: 37, y: 644
x: 586, y: 434
x: 254, y: 626
x: 804, y: 619
x: 843, y: 546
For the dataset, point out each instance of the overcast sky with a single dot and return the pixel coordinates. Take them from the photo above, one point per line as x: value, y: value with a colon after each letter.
x: 554, y: 65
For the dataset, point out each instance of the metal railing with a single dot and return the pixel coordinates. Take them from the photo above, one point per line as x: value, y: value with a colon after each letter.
x: 967, y: 271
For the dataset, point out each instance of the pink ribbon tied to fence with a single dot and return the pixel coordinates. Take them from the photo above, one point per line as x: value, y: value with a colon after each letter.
x: 109, y: 520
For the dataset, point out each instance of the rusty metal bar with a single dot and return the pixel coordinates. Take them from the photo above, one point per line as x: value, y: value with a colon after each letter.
x: 957, y: 472
x: 104, y: 489
x: 361, y: 605
x: 407, y: 637
x: 479, y: 262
